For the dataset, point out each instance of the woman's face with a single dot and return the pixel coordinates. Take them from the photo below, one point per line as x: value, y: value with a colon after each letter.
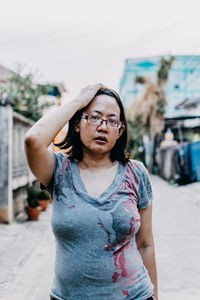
x: 100, y: 139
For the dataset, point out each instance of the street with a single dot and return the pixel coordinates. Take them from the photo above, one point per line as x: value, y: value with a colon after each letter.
x: 27, y: 249
x: 177, y: 239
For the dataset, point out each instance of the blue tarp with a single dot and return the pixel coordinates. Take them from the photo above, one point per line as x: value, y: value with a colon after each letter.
x: 194, y: 149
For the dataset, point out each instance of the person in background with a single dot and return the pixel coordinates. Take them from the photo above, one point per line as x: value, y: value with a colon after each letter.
x: 168, y: 139
x: 101, y: 201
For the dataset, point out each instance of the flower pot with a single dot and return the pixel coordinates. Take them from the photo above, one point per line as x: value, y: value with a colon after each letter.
x: 33, y: 213
x: 44, y: 204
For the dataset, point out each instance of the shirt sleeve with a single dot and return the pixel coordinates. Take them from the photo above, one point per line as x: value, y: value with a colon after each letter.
x: 145, y: 194
x: 58, y: 160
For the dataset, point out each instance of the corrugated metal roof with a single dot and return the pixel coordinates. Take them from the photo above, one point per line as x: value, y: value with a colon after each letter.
x: 189, y: 102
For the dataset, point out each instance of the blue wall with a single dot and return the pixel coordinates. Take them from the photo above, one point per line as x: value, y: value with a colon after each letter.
x: 183, y: 81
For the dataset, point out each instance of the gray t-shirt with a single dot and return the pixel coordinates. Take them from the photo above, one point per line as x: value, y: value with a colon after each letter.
x: 96, y: 251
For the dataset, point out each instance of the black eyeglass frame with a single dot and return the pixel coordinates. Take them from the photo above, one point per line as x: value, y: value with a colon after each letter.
x: 117, y: 124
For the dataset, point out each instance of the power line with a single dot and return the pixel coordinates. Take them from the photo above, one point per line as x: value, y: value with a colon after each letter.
x: 36, y: 41
x: 36, y: 35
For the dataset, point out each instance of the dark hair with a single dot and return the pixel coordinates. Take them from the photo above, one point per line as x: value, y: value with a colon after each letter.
x: 72, y: 140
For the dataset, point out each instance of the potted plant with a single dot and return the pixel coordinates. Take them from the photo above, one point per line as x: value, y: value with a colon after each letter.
x: 44, y: 199
x: 33, y: 208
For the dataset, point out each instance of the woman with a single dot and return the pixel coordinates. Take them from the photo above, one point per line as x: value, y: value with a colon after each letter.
x: 101, y: 208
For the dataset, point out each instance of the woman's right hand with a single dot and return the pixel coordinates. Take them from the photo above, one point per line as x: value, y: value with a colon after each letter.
x: 87, y: 94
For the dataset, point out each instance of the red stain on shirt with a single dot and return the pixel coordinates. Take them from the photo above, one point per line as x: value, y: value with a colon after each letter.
x: 115, y: 276
x: 69, y: 206
x: 106, y: 247
x: 122, y: 262
x: 65, y: 167
x: 125, y: 292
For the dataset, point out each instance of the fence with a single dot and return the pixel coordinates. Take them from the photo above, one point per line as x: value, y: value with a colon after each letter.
x: 14, y: 171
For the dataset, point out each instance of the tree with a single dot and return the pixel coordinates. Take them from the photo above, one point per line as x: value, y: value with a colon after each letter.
x: 150, y: 108
x: 25, y: 94
x: 135, y: 140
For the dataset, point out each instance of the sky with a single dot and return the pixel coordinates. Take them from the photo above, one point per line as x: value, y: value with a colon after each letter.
x: 81, y: 42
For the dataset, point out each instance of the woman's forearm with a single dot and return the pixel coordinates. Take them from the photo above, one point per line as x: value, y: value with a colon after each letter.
x: 44, y: 130
x: 148, y: 256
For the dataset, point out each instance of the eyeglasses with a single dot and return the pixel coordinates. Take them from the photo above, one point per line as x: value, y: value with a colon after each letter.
x: 97, y: 121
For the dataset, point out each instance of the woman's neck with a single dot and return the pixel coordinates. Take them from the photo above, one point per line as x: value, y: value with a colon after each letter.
x: 96, y: 161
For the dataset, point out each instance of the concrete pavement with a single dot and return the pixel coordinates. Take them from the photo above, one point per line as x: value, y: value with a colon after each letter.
x: 26, y: 259
x: 177, y: 239
x: 27, y: 249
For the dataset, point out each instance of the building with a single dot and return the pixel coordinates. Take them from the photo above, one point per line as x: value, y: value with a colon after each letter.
x: 186, y: 123
x: 182, y: 112
x: 183, y: 81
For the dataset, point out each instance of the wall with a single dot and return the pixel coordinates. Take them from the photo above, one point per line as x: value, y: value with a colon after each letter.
x: 14, y: 172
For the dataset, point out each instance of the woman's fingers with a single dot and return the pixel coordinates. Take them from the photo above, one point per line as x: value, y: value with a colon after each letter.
x: 87, y: 94
x: 96, y: 87
x: 102, y: 87
x: 93, y: 89
x: 99, y: 86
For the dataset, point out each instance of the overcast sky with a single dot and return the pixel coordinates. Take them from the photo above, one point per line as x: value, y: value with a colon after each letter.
x: 81, y: 42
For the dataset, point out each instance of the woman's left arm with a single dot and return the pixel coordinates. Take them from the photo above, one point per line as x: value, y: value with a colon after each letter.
x: 145, y: 244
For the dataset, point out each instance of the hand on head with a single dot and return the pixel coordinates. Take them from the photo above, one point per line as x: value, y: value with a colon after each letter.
x: 87, y: 94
